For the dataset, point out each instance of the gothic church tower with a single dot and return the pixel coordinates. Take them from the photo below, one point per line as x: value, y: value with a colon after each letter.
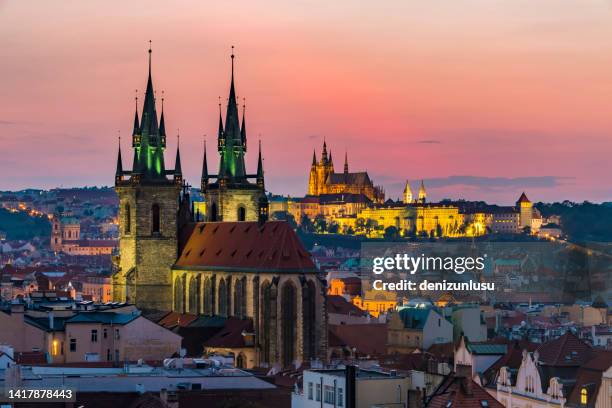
x: 149, y: 200
x: 232, y: 197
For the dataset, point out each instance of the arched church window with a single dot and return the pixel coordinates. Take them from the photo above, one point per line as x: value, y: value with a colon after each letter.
x: 127, y: 219
x: 155, y: 218
x: 241, y: 213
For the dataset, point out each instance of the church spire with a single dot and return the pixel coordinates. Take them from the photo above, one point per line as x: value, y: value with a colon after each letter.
x: 260, y: 172
x: 148, y: 125
x: 135, y: 131
x: 422, y: 197
x: 346, y: 170
x: 119, y: 171
x: 243, y: 127
x: 177, y: 166
x: 324, y: 153
x: 162, y: 123
x: 314, y: 157
x: 231, y: 143
x: 204, y: 178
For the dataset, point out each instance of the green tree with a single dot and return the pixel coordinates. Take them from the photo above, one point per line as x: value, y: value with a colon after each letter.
x: 391, y: 233
x: 306, y: 224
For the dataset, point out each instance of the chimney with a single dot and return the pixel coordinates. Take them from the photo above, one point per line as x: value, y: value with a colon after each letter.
x: 463, y: 373
x: 415, y: 398
x: 351, y: 391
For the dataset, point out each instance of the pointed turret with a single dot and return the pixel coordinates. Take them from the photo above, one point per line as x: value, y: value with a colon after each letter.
x: 331, y: 159
x: 324, y: 153
x: 243, y: 128
x: 119, y: 171
x: 162, y: 125
x: 204, y: 178
x: 346, y: 170
x: 314, y: 157
x: 422, y: 193
x: 260, y: 172
x: 220, y: 137
x: 408, y: 198
x: 136, y: 129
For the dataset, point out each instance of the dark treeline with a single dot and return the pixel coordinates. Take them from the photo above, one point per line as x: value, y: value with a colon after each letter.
x: 582, y: 222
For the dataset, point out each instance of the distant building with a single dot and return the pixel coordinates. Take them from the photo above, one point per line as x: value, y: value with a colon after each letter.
x: 324, y: 180
x: 351, y: 387
x: 417, y: 328
x: 66, y: 237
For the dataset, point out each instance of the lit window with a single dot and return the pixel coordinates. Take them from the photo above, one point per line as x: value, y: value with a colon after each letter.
x: 584, y: 397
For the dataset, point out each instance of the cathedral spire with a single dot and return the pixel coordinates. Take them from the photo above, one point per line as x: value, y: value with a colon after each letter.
x: 119, y: 171
x: 204, y: 179
x: 231, y: 144
x: 136, y: 121
x: 177, y: 166
x: 324, y: 153
x: 243, y: 127
x: 162, y: 124
x: 314, y: 157
x: 422, y: 193
x: 260, y: 172
x: 346, y: 170
x: 148, y: 125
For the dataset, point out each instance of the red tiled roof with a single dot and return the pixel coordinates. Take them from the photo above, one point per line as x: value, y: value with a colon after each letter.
x: 274, y: 246
x: 453, y: 394
x: 231, y: 334
x: 338, y: 304
x: 174, y: 319
x: 370, y: 339
x: 567, y: 350
x: 589, y: 377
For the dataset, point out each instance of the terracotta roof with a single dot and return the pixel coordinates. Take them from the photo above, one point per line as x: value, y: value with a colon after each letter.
x: 174, y: 319
x: 231, y: 335
x: 368, y: 339
x: 274, y: 246
x: 442, y: 351
x: 589, y: 377
x: 338, y: 304
x: 523, y: 198
x: 567, y: 350
x: 453, y: 393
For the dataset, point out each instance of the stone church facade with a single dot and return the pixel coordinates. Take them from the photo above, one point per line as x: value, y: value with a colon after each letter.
x: 235, y: 263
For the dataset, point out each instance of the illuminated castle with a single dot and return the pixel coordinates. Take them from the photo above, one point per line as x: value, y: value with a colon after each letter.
x: 324, y: 180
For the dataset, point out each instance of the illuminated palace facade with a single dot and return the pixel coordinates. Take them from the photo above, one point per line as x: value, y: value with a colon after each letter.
x: 355, y: 213
x: 235, y: 265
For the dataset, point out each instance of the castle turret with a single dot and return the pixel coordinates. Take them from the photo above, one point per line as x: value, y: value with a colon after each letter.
x: 408, y: 198
x: 525, y: 208
x: 422, y: 197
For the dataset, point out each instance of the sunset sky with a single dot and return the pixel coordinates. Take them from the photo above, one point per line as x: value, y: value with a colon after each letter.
x: 481, y: 98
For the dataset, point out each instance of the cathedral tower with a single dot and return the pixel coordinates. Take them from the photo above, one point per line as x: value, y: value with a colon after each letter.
x: 408, y: 199
x: 422, y: 197
x: 232, y: 197
x: 148, y: 206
